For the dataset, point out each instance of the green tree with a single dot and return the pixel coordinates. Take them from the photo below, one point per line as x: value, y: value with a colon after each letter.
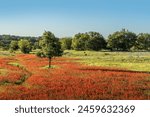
x: 50, y: 45
x: 121, y: 40
x: 6, y: 40
x: 95, y: 42
x: 14, y: 45
x: 88, y: 41
x: 24, y: 45
x: 36, y: 45
x: 1, y: 44
x: 79, y: 41
x: 66, y: 43
x: 143, y: 41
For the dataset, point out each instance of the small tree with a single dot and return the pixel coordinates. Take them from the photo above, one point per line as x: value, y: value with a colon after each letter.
x: 14, y: 46
x: 50, y: 46
x: 25, y: 46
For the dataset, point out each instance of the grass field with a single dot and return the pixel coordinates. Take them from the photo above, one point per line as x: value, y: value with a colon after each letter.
x: 136, y: 61
x: 76, y: 75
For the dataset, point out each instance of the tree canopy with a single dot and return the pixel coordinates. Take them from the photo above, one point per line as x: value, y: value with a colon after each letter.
x: 143, y: 41
x: 25, y: 46
x: 88, y: 41
x: 14, y: 45
x: 50, y: 46
x: 121, y: 40
x: 66, y: 43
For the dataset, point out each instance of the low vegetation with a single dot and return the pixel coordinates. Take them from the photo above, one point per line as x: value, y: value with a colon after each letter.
x: 135, y: 61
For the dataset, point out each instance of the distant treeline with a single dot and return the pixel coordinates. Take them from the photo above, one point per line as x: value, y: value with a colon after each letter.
x: 5, y: 40
x: 123, y: 40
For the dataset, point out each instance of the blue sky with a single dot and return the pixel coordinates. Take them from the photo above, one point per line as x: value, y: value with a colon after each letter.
x: 68, y: 17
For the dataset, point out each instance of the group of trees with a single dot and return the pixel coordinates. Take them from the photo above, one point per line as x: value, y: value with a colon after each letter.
x: 23, y: 45
x: 5, y: 40
x: 84, y: 41
x: 88, y: 41
x: 123, y: 40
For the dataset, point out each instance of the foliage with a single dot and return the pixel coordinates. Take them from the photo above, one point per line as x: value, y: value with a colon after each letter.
x: 143, y: 41
x: 121, y: 40
x: 14, y: 45
x: 1, y: 44
x: 95, y: 42
x: 40, y: 54
x: 6, y: 40
x: 24, y: 45
x: 88, y: 41
x: 50, y: 46
x: 66, y: 43
x: 79, y: 41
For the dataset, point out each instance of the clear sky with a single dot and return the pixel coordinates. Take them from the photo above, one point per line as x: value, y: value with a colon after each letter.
x: 68, y: 17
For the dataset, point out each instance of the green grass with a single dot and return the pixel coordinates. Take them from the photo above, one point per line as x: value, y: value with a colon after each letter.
x: 136, y: 61
x: 5, y: 53
x: 14, y: 64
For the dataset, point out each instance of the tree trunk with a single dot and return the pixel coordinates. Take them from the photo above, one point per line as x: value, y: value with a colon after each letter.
x: 50, y: 59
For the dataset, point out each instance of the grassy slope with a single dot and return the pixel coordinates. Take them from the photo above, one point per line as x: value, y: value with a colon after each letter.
x: 137, y: 61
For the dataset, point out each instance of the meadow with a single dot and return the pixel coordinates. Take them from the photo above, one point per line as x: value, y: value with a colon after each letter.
x: 78, y: 75
x: 135, y: 61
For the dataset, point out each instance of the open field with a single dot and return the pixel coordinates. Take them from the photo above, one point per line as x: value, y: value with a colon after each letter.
x: 76, y: 75
x: 135, y: 61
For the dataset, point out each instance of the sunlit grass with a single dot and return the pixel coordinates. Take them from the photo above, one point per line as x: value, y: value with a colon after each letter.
x: 14, y: 64
x: 137, y: 61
